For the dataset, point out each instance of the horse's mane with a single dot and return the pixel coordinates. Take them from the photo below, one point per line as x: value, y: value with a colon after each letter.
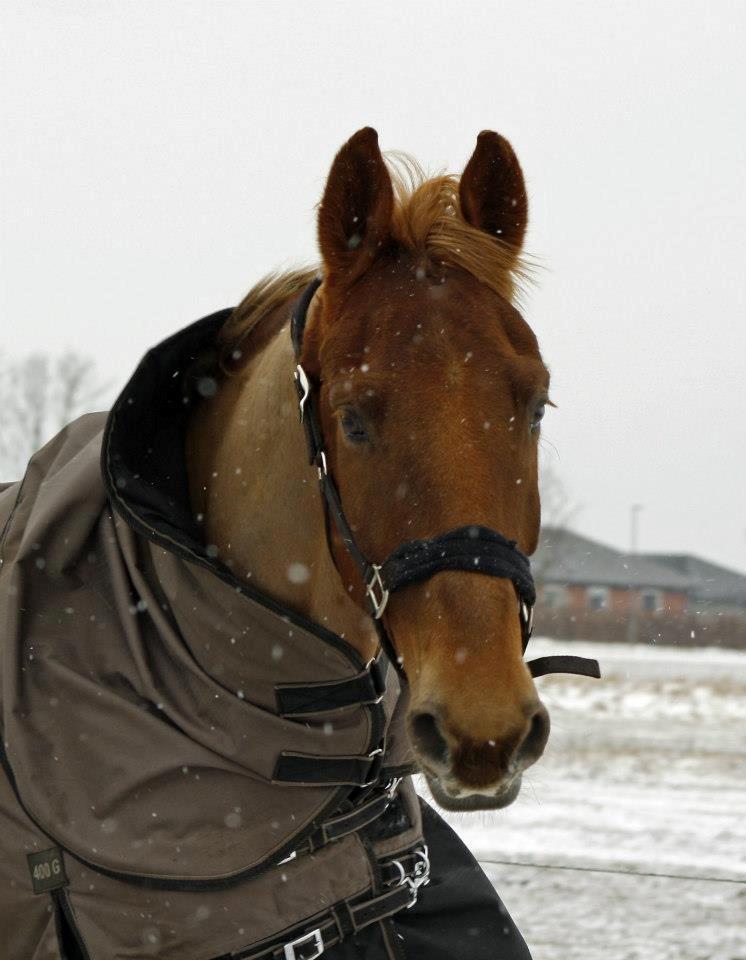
x: 427, y: 222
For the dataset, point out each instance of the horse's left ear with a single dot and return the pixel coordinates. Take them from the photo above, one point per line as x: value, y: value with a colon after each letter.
x: 492, y: 191
x: 355, y: 213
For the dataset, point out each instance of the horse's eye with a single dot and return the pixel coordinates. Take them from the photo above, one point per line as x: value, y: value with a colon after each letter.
x: 538, y: 415
x: 353, y: 426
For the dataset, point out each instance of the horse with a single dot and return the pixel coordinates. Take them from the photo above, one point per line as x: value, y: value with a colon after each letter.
x: 286, y: 571
x: 431, y: 394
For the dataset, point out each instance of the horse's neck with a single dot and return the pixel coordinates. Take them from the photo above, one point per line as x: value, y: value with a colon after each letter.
x: 257, y: 498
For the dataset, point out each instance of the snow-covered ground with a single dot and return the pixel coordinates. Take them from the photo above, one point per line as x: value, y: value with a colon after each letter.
x: 645, y: 771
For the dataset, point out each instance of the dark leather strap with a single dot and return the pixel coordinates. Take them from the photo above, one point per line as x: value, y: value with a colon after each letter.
x: 564, y: 663
x: 298, y: 320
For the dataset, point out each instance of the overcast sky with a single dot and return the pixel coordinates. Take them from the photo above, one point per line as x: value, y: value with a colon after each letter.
x: 159, y: 157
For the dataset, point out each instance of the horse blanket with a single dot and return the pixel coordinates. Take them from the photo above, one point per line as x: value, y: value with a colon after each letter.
x: 191, y: 771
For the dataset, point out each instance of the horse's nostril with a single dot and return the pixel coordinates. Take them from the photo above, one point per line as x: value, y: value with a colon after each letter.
x: 535, y: 740
x: 427, y: 738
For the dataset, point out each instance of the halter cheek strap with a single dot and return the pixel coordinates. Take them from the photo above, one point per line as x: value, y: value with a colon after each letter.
x: 476, y: 549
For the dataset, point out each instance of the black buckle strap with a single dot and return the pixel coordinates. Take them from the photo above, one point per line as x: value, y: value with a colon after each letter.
x: 330, y: 929
x: 410, y: 869
x: 301, y: 699
x: 352, y: 819
x: 346, y: 823
x: 406, y: 864
x: 309, y: 770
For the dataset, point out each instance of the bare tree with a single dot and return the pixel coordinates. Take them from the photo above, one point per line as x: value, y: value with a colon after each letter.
x: 558, y: 509
x: 39, y: 394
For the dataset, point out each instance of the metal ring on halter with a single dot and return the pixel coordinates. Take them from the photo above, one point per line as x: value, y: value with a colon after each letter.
x: 321, y: 466
x: 376, y: 583
x: 300, y: 376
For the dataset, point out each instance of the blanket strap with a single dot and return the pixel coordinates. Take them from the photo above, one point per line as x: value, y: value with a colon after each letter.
x: 301, y: 699
x: 342, y: 825
x: 306, y: 769
x: 311, y: 939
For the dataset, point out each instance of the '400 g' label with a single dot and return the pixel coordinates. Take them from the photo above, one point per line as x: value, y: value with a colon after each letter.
x: 47, y: 870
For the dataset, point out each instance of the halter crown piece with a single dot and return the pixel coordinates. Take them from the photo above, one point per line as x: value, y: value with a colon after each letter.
x: 474, y: 548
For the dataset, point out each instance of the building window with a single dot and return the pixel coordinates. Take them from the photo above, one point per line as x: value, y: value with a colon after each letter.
x: 554, y: 597
x: 651, y: 601
x: 598, y: 598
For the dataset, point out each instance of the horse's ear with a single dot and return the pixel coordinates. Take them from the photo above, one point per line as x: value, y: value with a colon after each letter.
x: 492, y: 191
x: 354, y: 220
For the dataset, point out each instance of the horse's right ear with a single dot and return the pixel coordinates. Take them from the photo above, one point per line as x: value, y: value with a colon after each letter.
x: 354, y: 220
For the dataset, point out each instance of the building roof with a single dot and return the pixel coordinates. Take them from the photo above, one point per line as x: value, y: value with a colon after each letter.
x: 567, y: 558
x: 708, y: 582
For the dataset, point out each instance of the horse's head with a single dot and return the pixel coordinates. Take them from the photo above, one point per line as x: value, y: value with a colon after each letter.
x: 432, y: 389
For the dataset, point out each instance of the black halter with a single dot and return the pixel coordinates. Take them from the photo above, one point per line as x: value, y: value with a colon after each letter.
x: 473, y: 548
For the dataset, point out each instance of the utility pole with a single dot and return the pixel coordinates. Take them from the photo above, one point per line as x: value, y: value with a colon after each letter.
x: 634, y: 527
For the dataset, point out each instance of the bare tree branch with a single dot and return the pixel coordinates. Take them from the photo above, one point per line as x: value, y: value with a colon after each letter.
x: 39, y: 394
x: 558, y: 510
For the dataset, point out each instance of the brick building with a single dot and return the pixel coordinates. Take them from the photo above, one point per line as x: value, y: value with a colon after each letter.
x: 579, y: 574
x: 587, y: 590
x: 713, y: 590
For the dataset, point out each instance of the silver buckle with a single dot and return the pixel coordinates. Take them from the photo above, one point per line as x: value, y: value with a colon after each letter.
x: 373, y: 753
x: 420, y: 876
x: 391, y: 787
x: 313, y: 938
x: 300, y: 376
x: 376, y: 583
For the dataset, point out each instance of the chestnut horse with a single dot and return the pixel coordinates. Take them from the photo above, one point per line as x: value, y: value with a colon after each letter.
x: 431, y: 391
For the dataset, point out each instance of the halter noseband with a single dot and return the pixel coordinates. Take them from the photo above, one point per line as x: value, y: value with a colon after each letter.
x: 472, y: 548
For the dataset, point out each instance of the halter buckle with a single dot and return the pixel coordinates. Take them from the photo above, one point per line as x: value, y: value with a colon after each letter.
x: 303, y: 387
x: 373, y: 584
x: 313, y: 940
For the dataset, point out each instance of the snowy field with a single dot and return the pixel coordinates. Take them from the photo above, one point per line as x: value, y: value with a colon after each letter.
x: 644, y: 771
